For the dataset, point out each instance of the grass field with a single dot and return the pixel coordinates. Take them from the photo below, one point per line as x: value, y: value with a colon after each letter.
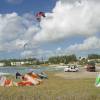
x: 54, y: 88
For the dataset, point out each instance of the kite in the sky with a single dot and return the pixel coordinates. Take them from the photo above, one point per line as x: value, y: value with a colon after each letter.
x: 39, y: 15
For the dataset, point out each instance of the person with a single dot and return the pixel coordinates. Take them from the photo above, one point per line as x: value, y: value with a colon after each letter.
x: 18, y: 75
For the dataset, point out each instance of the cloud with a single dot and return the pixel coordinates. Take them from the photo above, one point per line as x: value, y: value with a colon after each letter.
x: 70, y: 1
x: 92, y: 43
x: 15, y: 32
x: 27, y: 54
x: 68, y: 20
x: 38, y: 53
x: 15, y: 1
x: 59, y: 49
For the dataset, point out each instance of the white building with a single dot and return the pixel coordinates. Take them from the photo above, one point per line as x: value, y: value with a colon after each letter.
x: 2, y: 64
x: 19, y: 63
x: 15, y: 63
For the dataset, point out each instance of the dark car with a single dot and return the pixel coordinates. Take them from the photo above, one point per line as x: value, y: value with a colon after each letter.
x: 90, y: 66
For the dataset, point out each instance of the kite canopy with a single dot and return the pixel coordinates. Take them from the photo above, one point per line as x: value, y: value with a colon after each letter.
x: 39, y: 15
x: 97, y: 83
x: 2, y: 80
x: 5, y: 82
x: 25, y: 45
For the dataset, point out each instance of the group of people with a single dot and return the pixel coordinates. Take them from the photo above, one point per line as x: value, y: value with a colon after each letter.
x: 27, y: 79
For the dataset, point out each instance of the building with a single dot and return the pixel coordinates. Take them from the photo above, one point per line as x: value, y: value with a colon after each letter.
x: 2, y: 64
x: 16, y: 63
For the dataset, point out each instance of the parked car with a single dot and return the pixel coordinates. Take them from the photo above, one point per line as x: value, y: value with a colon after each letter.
x: 71, y: 68
x: 90, y: 66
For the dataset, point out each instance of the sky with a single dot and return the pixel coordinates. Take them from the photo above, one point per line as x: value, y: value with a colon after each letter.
x: 70, y: 27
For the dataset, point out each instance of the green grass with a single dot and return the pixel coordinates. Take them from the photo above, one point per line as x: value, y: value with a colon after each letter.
x: 54, y: 88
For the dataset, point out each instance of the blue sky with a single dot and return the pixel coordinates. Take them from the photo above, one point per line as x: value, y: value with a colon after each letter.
x: 70, y: 27
x: 26, y: 6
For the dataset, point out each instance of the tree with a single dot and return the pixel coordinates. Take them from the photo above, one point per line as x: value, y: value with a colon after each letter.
x: 93, y: 56
x: 62, y: 59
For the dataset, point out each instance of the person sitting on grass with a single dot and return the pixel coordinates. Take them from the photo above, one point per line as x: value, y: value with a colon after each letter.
x: 18, y: 75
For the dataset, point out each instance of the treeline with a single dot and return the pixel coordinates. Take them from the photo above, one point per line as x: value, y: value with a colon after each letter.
x: 14, y: 60
x: 93, y: 56
x: 62, y: 59
x: 54, y: 60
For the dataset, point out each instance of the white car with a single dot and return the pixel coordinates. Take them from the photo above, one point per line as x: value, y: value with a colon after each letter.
x: 72, y: 68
